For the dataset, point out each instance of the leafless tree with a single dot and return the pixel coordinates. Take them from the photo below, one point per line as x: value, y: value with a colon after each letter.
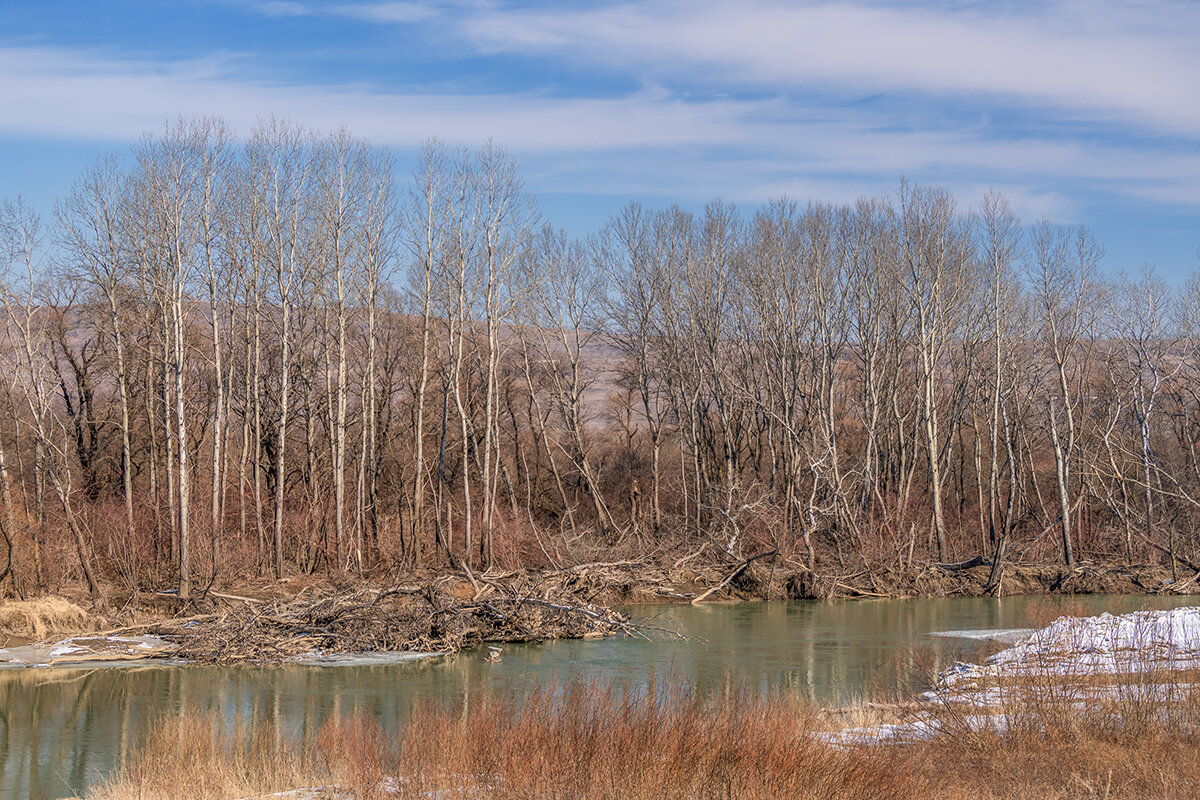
x: 1062, y: 278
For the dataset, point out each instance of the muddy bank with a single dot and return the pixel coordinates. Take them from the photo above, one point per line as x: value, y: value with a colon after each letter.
x: 765, y: 579
x: 941, y: 581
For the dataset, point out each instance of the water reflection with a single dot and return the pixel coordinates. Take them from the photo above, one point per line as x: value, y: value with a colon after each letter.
x: 60, y: 729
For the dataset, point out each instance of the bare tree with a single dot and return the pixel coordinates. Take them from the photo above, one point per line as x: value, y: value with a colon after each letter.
x: 622, y: 251
x: 937, y: 259
x: 92, y: 223
x: 21, y: 240
x: 1000, y: 248
x: 177, y: 183
x: 427, y: 217
x: 506, y: 217
x: 1142, y: 317
x: 1062, y: 278
x: 564, y: 295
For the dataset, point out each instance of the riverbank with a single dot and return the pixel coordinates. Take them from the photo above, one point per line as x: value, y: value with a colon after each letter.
x: 1137, y: 739
x: 434, y: 611
x: 70, y: 728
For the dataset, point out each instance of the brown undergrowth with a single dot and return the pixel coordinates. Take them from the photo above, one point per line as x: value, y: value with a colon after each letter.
x: 1129, y: 735
x: 604, y: 743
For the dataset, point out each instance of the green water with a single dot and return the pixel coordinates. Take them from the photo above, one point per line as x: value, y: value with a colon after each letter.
x: 61, y: 729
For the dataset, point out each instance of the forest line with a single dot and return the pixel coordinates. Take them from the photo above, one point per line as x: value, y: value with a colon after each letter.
x: 230, y: 357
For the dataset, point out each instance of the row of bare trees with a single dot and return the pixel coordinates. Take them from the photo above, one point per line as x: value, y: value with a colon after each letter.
x: 230, y: 357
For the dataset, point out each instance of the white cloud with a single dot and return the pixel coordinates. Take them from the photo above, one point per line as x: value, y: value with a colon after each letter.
x: 648, y: 143
x: 1135, y: 63
x: 65, y: 93
x: 396, y: 12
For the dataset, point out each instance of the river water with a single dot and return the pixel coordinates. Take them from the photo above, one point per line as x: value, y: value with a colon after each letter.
x: 62, y: 729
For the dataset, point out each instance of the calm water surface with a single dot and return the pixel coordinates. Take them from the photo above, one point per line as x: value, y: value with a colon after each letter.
x: 61, y: 729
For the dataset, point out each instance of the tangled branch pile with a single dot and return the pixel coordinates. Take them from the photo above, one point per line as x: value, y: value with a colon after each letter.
x: 413, y: 619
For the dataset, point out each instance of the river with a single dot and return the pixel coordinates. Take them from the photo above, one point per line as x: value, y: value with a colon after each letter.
x: 62, y: 729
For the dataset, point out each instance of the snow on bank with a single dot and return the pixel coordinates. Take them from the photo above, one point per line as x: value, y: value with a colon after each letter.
x: 88, y: 650
x: 1078, y: 663
x: 1144, y: 641
x: 123, y: 651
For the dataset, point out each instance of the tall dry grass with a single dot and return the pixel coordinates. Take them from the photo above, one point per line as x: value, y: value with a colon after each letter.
x: 603, y: 743
x: 42, y: 617
x: 200, y: 755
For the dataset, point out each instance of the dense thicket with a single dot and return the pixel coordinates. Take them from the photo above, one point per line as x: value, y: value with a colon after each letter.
x: 230, y: 357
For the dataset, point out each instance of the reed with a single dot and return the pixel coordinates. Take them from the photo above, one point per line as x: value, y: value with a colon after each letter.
x: 603, y: 742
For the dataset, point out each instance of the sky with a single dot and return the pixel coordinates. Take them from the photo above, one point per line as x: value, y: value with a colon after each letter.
x: 1079, y: 111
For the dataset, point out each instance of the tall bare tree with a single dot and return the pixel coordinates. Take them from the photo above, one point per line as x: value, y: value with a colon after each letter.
x: 1062, y: 278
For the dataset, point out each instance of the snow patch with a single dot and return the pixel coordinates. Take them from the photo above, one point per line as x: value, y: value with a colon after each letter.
x: 1143, y: 641
x: 1002, y: 635
x: 66, y: 649
x: 1076, y: 663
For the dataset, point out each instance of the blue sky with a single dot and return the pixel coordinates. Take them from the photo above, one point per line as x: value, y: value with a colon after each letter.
x: 1082, y: 111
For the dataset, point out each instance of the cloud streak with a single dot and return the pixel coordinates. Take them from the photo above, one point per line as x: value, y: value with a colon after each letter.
x: 1079, y: 110
x: 68, y: 93
x: 687, y: 134
x: 1134, y: 64
x: 73, y: 94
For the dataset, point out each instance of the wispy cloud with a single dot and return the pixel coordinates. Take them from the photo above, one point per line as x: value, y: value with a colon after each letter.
x: 1079, y: 110
x: 379, y: 12
x: 385, y: 12
x: 649, y: 141
x: 69, y: 93
x: 1134, y: 62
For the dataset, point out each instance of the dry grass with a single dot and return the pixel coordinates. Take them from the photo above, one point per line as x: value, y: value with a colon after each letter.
x: 198, y: 755
x: 1057, y: 765
x: 45, y: 616
x: 602, y: 743
x: 863, y: 713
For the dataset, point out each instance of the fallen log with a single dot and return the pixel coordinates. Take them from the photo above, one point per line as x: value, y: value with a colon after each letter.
x: 733, y: 575
x: 235, y: 597
x: 854, y: 591
x: 977, y: 561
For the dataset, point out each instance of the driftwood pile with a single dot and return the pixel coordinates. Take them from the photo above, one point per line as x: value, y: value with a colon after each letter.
x: 402, y: 618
